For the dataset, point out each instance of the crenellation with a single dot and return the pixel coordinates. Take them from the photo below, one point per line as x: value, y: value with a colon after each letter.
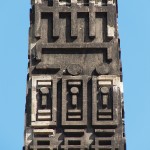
x: 71, y: 2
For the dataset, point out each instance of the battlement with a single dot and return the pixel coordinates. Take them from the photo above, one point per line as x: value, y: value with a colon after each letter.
x: 78, y: 2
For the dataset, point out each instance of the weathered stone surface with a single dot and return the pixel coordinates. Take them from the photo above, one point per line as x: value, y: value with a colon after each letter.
x: 74, y: 97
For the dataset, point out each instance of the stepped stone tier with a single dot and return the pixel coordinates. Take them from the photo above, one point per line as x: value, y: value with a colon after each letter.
x: 74, y: 84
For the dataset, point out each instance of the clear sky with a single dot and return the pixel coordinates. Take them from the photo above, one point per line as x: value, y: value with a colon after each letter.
x: 134, y: 30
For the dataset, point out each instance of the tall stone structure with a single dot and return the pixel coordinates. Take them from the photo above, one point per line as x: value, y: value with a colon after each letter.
x: 74, y: 85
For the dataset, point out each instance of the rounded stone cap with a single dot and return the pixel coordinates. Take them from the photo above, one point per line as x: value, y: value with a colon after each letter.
x: 74, y: 69
x: 103, y: 69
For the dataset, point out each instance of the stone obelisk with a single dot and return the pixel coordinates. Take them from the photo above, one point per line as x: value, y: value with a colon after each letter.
x: 74, y: 84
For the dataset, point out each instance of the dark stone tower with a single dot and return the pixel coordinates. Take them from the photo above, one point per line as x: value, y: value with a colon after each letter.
x: 74, y: 86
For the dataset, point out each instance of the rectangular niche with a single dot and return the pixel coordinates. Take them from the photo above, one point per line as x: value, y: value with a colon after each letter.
x: 89, y: 58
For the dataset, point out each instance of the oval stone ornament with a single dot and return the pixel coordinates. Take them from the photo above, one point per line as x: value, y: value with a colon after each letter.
x: 105, y: 90
x: 103, y: 69
x: 74, y: 69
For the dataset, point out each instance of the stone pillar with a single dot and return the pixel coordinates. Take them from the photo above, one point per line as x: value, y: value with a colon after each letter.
x: 74, y: 85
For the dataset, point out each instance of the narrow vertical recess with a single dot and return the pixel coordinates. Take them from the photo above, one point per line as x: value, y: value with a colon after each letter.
x: 85, y: 23
x: 49, y: 31
x: 104, y: 2
x: 67, y: 18
x: 50, y: 2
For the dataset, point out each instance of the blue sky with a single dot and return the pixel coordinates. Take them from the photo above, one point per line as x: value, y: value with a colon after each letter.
x: 134, y: 23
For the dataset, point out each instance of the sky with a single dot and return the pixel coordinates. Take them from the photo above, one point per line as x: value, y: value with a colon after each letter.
x: 134, y: 31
